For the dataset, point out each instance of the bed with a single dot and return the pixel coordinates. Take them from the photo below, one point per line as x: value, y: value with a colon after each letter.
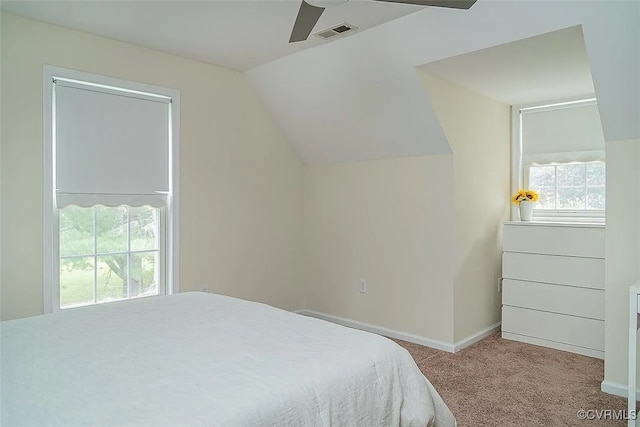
x: 194, y: 359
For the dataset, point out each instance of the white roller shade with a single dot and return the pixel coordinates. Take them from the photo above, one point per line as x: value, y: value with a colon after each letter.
x: 111, y: 147
x: 571, y: 133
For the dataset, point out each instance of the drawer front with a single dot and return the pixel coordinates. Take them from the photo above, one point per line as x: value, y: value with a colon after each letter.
x: 588, y: 333
x: 568, y: 241
x: 560, y: 299
x: 561, y: 270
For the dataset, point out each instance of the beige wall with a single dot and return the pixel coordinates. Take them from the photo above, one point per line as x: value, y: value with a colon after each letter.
x: 241, y: 184
x: 389, y: 222
x: 405, y: 225
x: 622, y: 258
x: 402, y: 224
x: 479, y: 132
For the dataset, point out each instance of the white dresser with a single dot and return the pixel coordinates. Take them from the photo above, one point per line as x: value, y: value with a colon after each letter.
x: 553, y: 286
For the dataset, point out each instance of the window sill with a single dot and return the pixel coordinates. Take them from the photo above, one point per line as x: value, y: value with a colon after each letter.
x: 539, y: 223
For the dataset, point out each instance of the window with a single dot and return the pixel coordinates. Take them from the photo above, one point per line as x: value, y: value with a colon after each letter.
x: 111, y: 180
x: 574, y: 186
x: 559, y: 152
x: 109, y: 253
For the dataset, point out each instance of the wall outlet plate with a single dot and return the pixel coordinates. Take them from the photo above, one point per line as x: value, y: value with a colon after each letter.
x: 363, y: 286
x: 204, y: 289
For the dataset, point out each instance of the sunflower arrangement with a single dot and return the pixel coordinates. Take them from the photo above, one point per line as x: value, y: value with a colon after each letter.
x: 524, y: 195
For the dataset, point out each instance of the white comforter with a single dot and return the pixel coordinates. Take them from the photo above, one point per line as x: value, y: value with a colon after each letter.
x: 204, y: 359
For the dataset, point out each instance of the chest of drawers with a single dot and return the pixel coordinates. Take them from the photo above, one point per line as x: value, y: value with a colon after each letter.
x: 553, y: 286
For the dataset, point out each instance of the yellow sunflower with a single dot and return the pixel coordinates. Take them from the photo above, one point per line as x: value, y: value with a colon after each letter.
x: 532, y: 195
x: 522, y: 195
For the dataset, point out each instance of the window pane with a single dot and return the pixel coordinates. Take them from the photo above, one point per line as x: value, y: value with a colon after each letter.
x: 542, y: 176
x: 111, y: 229
x: 144, y: 228
x: 124, y: 248
x: 547, y: 198
x: 76, y: 231
x: 571, y: 175
x: 112, y: 278
x: 571, y: 198
x: 76, y: 281
x: 595, y: 198
x: 595, y: 174
x: 144, y: 274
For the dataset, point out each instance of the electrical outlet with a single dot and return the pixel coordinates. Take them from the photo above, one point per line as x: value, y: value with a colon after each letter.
x: 204, y: 289
x: 499, y: 284
x: 363, y: 286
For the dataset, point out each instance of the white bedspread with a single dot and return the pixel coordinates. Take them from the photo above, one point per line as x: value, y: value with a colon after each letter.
x: 204, y: 359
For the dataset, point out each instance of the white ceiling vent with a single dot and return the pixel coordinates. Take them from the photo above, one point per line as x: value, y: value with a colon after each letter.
x: 336, y: 30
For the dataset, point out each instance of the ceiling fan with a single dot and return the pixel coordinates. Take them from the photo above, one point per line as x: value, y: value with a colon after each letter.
x: 311, y: 10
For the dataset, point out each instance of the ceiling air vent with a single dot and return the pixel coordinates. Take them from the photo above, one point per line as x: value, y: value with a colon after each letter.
x: 336, y: 30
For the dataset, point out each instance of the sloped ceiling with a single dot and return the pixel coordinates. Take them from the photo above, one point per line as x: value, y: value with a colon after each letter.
x: 552, y: 66
x: 360, y: 98
x: 235, y: 34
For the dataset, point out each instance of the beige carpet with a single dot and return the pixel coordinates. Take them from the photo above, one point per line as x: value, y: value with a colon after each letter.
x: 498, y: 382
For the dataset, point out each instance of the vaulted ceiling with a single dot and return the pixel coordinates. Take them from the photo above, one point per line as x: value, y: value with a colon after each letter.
x: 235, y: 34
x: 551, y: 66
x: 358, y: 97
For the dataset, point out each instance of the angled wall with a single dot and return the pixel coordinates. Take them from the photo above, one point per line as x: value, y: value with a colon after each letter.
x: 479, y: 131
x: 424, y: 231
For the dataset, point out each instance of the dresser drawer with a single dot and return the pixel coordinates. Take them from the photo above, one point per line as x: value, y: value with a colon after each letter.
x: 562, y: 270
x: 554, y: 240
x: 578, y: 331
x: 583, y: 302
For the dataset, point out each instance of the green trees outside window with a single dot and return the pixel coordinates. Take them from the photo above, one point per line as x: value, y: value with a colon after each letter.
x: 108, y: 253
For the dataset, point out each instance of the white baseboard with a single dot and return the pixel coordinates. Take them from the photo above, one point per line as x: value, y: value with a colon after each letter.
x: 616, y: 389
x: 392, y: 333
x: 380, y: 330
x: 472, y: 339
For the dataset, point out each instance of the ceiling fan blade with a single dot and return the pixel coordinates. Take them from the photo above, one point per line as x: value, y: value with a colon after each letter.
x: 307, y: 18
x: 455, y: 4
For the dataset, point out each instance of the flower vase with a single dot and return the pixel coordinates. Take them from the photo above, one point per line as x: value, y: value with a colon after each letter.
x: 526, y: 210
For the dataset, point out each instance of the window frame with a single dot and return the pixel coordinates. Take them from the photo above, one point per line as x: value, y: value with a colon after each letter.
x: 51, y: 218
x: 519, y: 171
x: 564, y: 215
x: 95, y: 253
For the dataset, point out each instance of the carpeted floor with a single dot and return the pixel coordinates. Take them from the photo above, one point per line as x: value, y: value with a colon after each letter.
x: 498, y: 382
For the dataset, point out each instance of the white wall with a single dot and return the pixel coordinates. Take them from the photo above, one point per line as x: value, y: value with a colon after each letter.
x: 479, y: 132
x: 1, y: 179
x: 622, y: 257
x: 241, y: 184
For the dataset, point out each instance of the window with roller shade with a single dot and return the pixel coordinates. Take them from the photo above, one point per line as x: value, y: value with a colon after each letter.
x: 562, y: 158
x: 111, y: 199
